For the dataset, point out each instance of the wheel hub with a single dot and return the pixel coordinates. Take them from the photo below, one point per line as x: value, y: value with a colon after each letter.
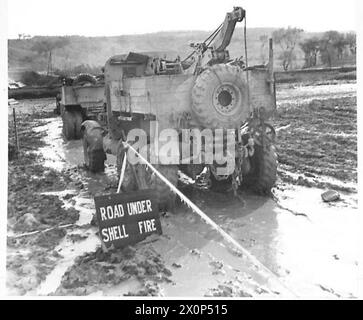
x: 225, y: 99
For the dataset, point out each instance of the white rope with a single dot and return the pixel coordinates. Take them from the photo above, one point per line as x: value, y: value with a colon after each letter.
x: 208, y: 220
x: 122, y: 173
x: 16, y: 236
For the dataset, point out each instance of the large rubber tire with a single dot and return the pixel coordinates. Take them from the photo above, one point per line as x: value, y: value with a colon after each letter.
x: 220, y: 185
x: 72, y: 121
x: 191, y: 170
x: 57, y: 109
x: 84, y: 78
x: 78, y: 119
x: 219, y: 97
x: 263, y: 174
x: 69, y: 127
x: 165, y: 196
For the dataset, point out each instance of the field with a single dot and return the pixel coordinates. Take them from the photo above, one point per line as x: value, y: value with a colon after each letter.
x: 321, y: 139
x: 308, y: 245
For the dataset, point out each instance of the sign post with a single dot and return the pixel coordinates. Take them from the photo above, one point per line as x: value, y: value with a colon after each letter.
x: 127, y: 218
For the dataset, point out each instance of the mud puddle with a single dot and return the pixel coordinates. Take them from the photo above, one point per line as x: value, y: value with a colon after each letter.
x: 219, y: 265
x: 68, y: 155
x: 78, y: 240
x: 310, y: 245
x: 72, y: 246
x: 308, y: 252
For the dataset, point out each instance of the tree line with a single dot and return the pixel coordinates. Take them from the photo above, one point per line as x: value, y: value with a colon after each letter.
x: 329, y: 47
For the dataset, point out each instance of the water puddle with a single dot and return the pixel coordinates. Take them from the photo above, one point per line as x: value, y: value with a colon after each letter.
x: 69, y: 250
x: 313, y: 253
x: 315, y: 250
x: 59, y: 155
x: 321, y: 179
x: 85, y: 206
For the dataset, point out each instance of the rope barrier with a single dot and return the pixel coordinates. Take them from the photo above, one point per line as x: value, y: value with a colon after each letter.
x: 122, y: 173
x: 63, y: 226
x: 209, y: 221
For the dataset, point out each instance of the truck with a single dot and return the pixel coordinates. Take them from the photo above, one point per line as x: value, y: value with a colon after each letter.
x: 206, y: 91
x: 81, y: 98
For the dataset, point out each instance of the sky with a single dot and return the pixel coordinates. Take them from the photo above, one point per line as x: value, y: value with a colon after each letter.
x: 117, y: 17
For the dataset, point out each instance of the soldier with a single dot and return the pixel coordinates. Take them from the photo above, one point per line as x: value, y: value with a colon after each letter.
x: 94, y: 155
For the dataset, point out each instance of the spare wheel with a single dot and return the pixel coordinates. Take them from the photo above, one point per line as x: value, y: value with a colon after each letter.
x: 84, y: 78
x: 219, y: 97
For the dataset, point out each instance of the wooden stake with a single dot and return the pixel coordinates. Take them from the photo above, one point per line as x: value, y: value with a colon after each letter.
x: 271, y: 66
x: 16, y: 134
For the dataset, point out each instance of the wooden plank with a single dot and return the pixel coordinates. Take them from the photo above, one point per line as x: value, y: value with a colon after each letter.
x: 153, y: 94
x: 260, y: 94
x: 83, y: 95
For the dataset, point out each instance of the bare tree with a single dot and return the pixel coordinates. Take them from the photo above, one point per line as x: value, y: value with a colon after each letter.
x: 287, y: 40
x: 351, y: 40
x: 311, y: 49
x: 339, y: 44
x: 332, y: 46
x: 47, y: 45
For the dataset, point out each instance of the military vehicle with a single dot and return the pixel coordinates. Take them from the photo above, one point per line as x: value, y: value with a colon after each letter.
x: 81, y: 98
x: 206, y: 90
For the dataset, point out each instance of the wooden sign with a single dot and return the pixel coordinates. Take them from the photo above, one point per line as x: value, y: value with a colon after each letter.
x: 127, y: 218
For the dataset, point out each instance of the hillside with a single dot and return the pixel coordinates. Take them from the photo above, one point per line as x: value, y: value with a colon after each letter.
x: 94, y: 51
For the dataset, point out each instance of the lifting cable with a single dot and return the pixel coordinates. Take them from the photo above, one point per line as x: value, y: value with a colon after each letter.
x: 246, y: 58
x: 204, y: 217
x: 213, y: 35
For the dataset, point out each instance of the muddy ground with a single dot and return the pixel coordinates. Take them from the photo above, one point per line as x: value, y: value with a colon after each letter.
x: 308, y: 245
